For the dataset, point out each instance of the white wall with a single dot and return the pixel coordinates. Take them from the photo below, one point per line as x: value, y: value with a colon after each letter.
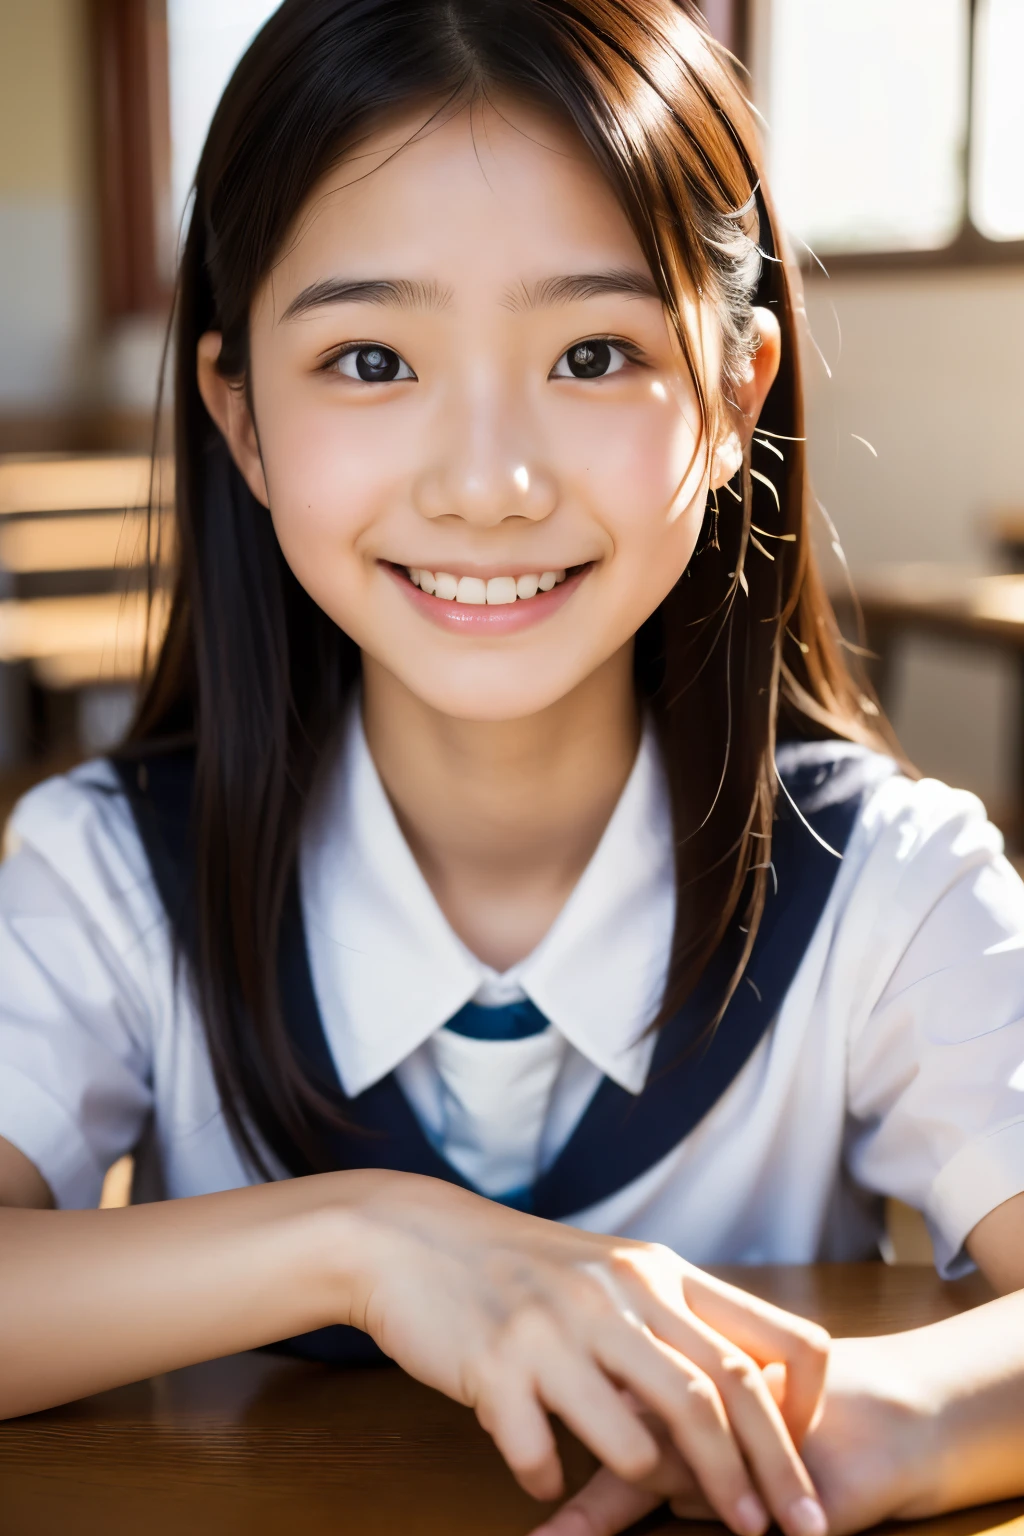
x: 928, y: 369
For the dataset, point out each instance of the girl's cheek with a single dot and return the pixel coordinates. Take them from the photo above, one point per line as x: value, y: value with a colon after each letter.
x: 643, y: 476
x: 330, y: 474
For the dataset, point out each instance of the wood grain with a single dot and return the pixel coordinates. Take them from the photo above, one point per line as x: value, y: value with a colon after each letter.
x: 260, y: 1445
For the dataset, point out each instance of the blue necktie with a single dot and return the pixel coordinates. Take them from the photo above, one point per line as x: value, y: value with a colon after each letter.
x: 509, y: 1021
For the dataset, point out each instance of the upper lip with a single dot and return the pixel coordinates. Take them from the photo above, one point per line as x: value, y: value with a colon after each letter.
x: 459, y: 568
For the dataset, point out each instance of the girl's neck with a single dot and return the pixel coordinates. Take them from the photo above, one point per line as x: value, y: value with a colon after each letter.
x: 503, y: 816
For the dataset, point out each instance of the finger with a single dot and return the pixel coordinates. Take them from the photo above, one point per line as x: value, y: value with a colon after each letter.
x: 767, y: 1334
x: 688, y: 1402
x: 774, y: 1375
x: 509, y: 1411
x: 603, y: 1507
x: 571, y: 1385
x: 756, y: 1422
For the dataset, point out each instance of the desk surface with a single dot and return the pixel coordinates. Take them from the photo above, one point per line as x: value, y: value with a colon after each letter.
x: 944, y: 600
x: 258, y: 1444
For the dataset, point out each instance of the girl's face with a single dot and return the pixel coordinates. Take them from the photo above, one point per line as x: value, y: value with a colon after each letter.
x: 463, y: 377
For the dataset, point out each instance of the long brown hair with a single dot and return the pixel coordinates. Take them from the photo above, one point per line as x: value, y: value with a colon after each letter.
x: 255, y: 676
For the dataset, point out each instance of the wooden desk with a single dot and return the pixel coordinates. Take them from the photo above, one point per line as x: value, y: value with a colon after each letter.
x: 259, y: 1444
x: 946, y: 601
x: 74, y: 537
x: 95, y: 482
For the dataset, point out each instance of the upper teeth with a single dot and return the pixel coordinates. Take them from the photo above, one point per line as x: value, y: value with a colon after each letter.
x: 473, y: 589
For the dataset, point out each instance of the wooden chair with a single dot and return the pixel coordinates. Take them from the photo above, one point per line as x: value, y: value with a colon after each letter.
x: 982, y: 611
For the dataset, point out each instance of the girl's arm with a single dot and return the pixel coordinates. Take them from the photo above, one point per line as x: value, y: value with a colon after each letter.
x: 514, y: 1316
x: 997, y: 1245
x: 914, y: 1425
x: 920, y: 1423
x: 91, y: 1299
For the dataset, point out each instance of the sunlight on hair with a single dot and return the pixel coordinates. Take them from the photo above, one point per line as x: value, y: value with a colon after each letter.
x: 869, y: 446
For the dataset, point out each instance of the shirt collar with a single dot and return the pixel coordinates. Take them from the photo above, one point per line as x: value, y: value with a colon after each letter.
x: 389, y: 971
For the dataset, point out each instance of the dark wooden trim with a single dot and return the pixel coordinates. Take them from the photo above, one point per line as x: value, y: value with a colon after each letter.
x: 133, y: 119
x: 78, y: 432
x: 728, y: 20
x: 970, y: 249
x: 743, y: 30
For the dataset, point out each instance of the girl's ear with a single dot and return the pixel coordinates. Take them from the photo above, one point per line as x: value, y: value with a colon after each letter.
x: 748, y: 397
x: 226, y: 402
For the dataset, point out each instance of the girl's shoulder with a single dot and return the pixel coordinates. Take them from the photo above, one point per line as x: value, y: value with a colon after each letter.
x: 72, y: 839
x: 923, y: 819
x: 924, y: 859
x: 891, y: 812
x: 84, y: 808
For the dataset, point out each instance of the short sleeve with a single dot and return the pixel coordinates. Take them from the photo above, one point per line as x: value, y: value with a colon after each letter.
x: 77, y: 921
x: 936, y: 1066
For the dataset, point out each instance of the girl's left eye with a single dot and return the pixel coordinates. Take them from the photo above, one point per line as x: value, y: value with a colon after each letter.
x: 591, y: 359
x: 372, y: 363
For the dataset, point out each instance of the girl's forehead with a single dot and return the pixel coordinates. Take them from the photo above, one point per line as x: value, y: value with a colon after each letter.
x: 500, y: 191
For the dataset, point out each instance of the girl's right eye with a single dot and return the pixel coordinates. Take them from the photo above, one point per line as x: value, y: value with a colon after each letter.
x: 372, y: 363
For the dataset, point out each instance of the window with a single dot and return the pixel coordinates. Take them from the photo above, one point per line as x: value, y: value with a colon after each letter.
x: 997, y: 145
x: 896, y: 126
x: 204, y: 42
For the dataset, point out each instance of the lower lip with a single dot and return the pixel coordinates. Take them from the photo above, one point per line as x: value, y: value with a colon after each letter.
x: 487, y: 618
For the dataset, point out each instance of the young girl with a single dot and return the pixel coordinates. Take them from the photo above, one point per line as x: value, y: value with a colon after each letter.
x: 500, y: 818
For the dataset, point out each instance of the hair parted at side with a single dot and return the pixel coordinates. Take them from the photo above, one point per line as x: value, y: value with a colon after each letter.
x: 255, y: 676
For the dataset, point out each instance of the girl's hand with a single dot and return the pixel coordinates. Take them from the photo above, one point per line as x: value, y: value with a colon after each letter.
x: 874, y: 1453
x: 519, y: 1318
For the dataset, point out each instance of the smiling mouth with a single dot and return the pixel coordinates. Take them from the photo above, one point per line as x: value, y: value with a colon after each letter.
x: 495, y: 591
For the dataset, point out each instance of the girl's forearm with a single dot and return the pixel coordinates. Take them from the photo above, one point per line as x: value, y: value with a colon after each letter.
x: 93, y: 1299
x: 920, y: 1423
x: 974, y: 1364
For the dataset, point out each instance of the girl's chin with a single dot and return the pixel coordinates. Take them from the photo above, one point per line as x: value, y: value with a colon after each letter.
x: 490, y: 696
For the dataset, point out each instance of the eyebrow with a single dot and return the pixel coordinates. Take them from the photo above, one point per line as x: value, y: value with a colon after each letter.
x: 411, y: 293
x: 582, y: 285
x: 394, y: 293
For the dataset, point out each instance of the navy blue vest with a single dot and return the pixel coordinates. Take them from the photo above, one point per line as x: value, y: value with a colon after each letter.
x: 620, y: 1135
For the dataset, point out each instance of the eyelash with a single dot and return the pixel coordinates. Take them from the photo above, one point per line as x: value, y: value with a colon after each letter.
x: 629, y: 349
x: 350, y: 348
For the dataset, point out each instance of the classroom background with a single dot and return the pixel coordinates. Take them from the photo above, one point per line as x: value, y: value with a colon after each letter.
x: 895, y: 131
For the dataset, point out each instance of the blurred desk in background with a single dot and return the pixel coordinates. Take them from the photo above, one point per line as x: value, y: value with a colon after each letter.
x: 77, y: 537
x: 1006, y: 528
x: 948, y: 603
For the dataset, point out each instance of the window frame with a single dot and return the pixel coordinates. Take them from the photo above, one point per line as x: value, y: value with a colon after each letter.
x: 969, y: 248
x: 728, y: 22
x: 131, y: 86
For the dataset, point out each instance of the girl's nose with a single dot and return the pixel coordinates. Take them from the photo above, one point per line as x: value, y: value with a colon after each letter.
x: 484, y: 477
x: 486, y: 497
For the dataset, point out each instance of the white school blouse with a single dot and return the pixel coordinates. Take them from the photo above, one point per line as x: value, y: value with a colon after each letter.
x: 895, y: 1065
